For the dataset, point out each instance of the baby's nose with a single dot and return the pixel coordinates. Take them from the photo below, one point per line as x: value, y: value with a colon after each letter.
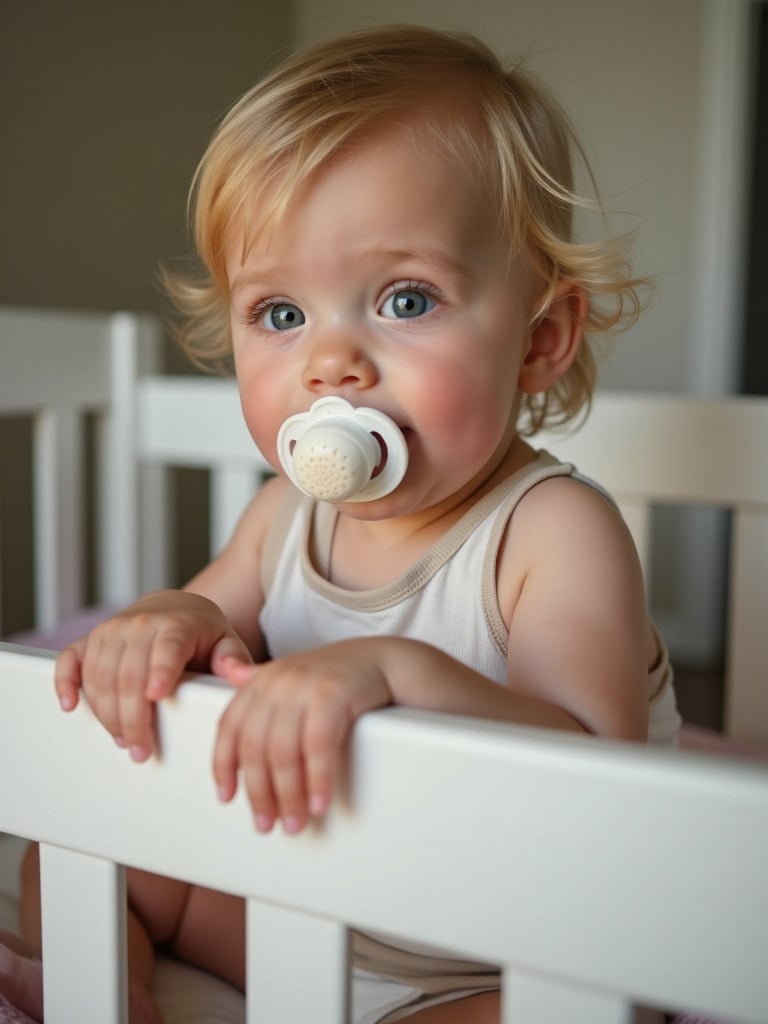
x: 339, y: 362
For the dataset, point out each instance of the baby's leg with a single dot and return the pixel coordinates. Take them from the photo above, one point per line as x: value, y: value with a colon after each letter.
x: 21, y: 980
x: 20, y: 976
x: 21, y: 988
x: 480, y: 1009
x: 199, y: 926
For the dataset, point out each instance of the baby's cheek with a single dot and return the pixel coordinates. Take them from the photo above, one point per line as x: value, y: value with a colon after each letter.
x: 263, y: 418
x: 473, y: 419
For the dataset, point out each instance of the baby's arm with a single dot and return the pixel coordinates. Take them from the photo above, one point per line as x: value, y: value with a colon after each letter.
x: 128, y: 663
x: 579, y: 634
x: 571, y: 592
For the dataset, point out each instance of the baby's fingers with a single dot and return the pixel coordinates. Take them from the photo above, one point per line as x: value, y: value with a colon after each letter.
x: 241, y: 747
x: 68, y: 677
x: 285, y: 758
x: 172, y: 650
x: 226, y: 755
x: 135, y: 718
x: 326, y: 727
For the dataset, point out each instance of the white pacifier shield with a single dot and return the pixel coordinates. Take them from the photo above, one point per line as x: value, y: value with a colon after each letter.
x: 331, y: 451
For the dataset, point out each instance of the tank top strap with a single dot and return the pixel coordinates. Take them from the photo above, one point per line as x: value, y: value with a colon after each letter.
x: 276, y: 536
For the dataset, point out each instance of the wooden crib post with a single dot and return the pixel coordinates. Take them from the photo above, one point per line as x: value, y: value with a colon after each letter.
x: 297, y: 967
x: 57, y: 489
x: 530, y: 998
x: 84, y: 938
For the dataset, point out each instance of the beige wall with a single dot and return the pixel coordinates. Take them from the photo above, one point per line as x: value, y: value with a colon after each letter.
x: 627, y: 73
x: 106, y: 108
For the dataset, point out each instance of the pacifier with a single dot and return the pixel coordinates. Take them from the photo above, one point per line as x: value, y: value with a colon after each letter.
x: 336, y: 452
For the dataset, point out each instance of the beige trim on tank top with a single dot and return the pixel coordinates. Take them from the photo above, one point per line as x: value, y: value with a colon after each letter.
x: 315, y: 551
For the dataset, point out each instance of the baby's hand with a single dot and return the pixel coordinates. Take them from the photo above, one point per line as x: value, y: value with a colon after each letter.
x: 128, y: 663
x: 285, y: 728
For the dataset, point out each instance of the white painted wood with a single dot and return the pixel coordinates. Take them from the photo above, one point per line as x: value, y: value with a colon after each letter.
x: 133, y: 505
x: 531, y: 998
x: 614, y: 867
x: 194, y: 421
x: 550, y: 850
x: 120, y: 559
x: 53, y: 368
x: 231, y: 490
x: 56, y: 367
x: 672, y: 448
x: 279, y: 940
x: 84, y: 938
x: 57, y: 494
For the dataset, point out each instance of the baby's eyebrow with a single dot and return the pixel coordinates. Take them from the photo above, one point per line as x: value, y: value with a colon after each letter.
x: 434, y: 256
x: 243, y: 281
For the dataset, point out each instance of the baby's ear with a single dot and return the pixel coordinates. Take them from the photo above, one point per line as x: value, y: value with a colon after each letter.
x: 554, y: 340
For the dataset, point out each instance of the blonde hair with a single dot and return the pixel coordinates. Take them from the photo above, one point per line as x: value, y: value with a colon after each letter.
x: 515, y: 136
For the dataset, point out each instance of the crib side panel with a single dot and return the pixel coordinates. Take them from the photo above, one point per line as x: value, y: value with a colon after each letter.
x: 298, y: 962
x: 188, y: 421
x: 599, y: 864
x: 65, y: 371
x: 53, y: 369
x: 84, y: 912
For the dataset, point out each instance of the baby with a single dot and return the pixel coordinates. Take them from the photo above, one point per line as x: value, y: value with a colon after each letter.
x: 385, y: 225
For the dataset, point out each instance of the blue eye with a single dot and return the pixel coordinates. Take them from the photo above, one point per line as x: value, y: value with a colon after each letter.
x: 407, y: 304
x: 282, y: 317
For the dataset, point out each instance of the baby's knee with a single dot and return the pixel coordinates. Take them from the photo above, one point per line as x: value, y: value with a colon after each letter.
x: 158, y: 902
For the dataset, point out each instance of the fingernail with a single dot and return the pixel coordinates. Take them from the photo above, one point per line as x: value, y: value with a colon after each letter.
x: 317, y: 804
x: 138, y: 754
x: 292, y: 825
x: 223, y: 792
x: 120, y: 742
x: 263, y: 823
x: 67, y: 702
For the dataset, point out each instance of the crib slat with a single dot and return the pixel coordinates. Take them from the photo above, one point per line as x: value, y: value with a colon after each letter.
x: 297, y: 967
x: 530, y: 998
x: 231, y: 489
x: 83, y: 904
x: 57, y: 489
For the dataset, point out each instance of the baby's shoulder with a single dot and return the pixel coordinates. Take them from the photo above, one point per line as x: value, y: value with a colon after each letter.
x: 565, y: 510
x: 566, y: 545
x: 562, y: 522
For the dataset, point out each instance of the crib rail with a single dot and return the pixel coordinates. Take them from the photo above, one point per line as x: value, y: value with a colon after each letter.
x: 594, y: 873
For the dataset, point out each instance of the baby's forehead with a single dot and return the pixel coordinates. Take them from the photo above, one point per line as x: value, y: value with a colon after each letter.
x: 416, y: 135
x: 411, y: 152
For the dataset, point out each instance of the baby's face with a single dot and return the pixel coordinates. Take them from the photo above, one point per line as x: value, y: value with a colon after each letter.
x: 388, y: 283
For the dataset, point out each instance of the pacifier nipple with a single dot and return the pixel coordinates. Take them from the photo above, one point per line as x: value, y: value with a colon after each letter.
x: 337, y: 453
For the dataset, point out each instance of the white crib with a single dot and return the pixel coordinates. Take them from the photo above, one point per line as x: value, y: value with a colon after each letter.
x: 597, y: 875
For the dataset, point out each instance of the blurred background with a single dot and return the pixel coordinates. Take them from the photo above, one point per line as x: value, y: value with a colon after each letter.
x: 106, y: 107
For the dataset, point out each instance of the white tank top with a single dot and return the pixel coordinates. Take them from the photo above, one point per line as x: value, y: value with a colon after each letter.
x: 447, y: 598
